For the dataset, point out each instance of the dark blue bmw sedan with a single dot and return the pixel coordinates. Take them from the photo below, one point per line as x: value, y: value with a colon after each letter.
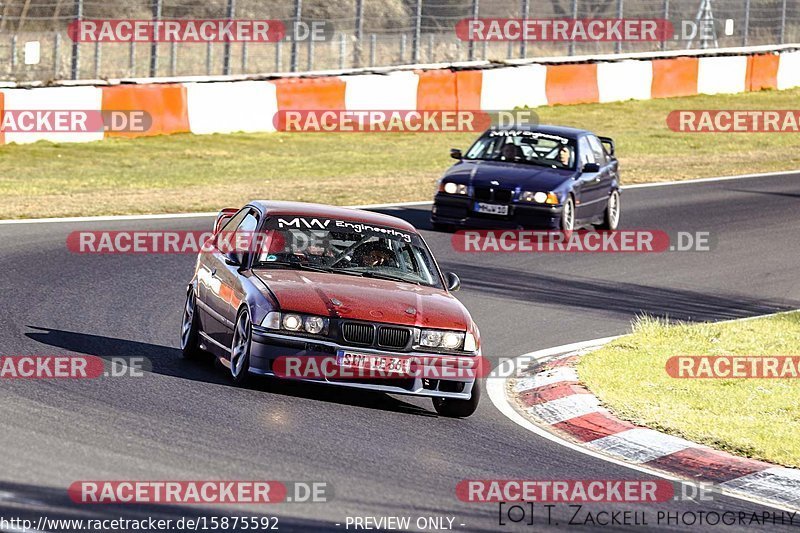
x: 531, y: 176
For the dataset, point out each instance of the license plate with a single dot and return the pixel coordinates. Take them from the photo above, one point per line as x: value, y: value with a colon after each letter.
x: 380, y: 364
x: 491, y: 209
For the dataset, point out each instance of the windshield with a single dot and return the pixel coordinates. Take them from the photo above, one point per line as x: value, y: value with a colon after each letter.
x: 347, y: 248
x: 526, y: 147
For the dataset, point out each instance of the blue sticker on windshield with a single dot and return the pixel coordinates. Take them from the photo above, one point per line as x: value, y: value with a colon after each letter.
x: 272, y: 257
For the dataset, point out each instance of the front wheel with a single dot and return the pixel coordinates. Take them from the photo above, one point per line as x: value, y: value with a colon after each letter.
x: 611, y: 216
x: 190, y: 327
x: 240, y: 348
x: 458, y: 408
x: 568, y: 215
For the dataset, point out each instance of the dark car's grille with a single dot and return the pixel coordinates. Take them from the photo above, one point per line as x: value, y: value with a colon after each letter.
x: 488, y: 194
x: 358, y: 333
x: 393, y: 337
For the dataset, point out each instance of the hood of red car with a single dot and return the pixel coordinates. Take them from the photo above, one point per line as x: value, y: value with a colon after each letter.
x: 376, y: 300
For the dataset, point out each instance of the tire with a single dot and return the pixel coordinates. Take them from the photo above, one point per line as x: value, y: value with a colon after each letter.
x: 458, y: 408
x: 568, y: 215
x: 611, y: 215
x: 190, y: 327
x: 240, y: 348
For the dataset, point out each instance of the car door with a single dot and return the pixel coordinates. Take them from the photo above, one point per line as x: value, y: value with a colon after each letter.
x: 607, y: 174
x: 208, y: 283
x: 589, y: 190
x: 230, y: 275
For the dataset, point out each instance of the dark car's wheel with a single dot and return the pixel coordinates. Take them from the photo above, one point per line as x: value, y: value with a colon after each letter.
x: 240, y: 348
x: 190, y: 327
x: 458, y: 408
x: 568, y: 215
x: 611, y: 216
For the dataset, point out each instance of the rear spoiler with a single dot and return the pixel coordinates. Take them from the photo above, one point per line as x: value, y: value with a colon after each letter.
x: 609, y: 142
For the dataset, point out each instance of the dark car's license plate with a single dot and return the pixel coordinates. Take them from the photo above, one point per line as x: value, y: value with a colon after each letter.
x: 491, y: 209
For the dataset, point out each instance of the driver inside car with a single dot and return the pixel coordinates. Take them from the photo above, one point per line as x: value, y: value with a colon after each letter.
x: 374, y: 254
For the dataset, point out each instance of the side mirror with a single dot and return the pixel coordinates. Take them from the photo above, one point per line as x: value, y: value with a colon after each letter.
x: 455, y: 153
x: 453, y: 282
x: 223, y: 217
x: 591, y: 167
x: 234, y: 259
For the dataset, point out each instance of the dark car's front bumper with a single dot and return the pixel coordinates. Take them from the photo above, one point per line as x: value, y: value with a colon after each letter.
x: 455, y: 210
x: 268, y: 345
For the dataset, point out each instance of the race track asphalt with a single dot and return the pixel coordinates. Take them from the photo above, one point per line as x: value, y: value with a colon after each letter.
x: 383, y: 455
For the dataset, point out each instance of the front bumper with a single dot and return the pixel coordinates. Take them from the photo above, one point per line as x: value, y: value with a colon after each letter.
x: 267, y: 346
x: 458, y: 211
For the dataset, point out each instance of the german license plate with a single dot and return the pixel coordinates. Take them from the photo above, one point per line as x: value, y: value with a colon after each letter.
x: 371, y: 363
x: 491, y: 209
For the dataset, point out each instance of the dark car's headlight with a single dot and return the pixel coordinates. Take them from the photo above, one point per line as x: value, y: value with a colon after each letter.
x: 453, y: 188
x: 539, y: 197
x: 315, y: 325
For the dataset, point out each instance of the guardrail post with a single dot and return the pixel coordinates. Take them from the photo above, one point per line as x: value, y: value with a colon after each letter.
x: 417, y: 32
x: 666, y: 17
x: 471, y: 44
x: 373, y: 43
x: 226, y: 57
x: 746, y: 29
x: 523, y: 44
x: 783, y: 22
x: 97, y: 60
x: 298, y: 13
x: 620, y: 9
x: 56, y: 54
x: 76, y: 50
x: 154, y: 45
x: 359, y: 32
x: 574, y: 16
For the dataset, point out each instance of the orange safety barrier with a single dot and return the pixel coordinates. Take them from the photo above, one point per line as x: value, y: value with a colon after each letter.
x: 310, y: 93
x: 165, y: 103
x: 468, y: 89
x: 436, y: 90
x: 572, y: 84
x: 674, y: 77
x: 762, y: 72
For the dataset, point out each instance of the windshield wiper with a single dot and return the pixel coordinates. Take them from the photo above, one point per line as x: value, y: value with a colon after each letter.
x: 380, y: 275
x: 297, y: 266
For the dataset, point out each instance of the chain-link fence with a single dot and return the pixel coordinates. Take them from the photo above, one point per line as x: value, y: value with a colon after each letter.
x: 366, y: 33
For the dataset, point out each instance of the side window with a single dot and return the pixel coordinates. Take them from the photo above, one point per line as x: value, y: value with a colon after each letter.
x: 597, y: 149
x: 586, y: 152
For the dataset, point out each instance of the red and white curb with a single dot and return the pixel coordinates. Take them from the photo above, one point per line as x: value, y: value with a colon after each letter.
x: 547, y: 395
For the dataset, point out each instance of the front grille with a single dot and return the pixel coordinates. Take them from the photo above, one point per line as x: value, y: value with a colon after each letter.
x: 358, y: 333
x: 488, y: 194
x: 393, y: 337
x: 502, y: 195
x: 483, y: 193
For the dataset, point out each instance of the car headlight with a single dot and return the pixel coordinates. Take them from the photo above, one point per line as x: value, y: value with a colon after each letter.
x: 295, y: 322
x: 539, y: 197
x: 447, y: 340
x: 470, y: 343
x: 454, y: 188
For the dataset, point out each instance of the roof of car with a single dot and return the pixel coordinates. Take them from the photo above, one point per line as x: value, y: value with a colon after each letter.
x: 563, y: 131
x: 272, y: 207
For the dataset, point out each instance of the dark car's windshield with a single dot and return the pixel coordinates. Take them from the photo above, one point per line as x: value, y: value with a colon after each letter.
x: 347, y: 248
x: 526, y: 147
